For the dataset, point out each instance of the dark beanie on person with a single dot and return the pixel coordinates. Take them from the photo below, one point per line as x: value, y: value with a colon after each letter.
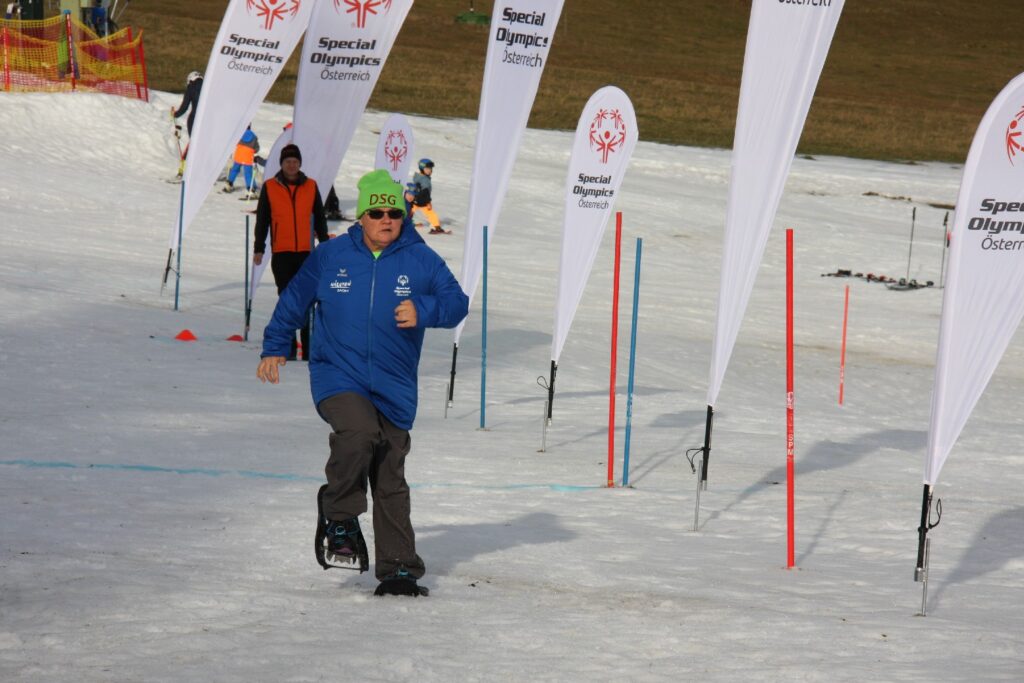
x: 290, y: 151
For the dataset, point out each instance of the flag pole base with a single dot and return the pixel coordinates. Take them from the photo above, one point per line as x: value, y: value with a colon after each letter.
x: 706, y: 450
x: 696, y: 507
x: 451, y: 382
x: 921, y: 575
x: 544, y: 424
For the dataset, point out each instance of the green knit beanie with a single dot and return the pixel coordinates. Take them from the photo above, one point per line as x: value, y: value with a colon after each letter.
x: 378, y: 191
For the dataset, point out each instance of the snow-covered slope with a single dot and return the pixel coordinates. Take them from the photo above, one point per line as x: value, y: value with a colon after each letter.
x: 157, y: 502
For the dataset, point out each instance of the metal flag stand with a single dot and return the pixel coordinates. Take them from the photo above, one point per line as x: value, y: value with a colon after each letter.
x: 924, y: 544
x: 549, y: 387
x: 701, y: 466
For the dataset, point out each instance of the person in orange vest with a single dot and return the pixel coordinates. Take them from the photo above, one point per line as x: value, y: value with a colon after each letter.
x: 245, y: 157
x: 290, y: 210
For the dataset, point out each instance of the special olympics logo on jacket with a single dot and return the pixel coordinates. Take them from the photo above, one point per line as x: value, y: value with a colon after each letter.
x: 396, y: 148
x: 1013, y: 141
x: 362, y: 9
x: 607, y: 133
x: 270, y: 11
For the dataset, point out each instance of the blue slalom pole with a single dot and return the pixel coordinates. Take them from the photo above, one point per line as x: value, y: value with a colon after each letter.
x: 245, y: 299
x: 181, y: 219
x: 632, y: 362
x: 483, y: 346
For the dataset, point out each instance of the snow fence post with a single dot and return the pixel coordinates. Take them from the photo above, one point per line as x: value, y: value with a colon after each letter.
x: 145, y: 76
x: 71, y: 47
x: 7, y: 62
x: 138, y: 88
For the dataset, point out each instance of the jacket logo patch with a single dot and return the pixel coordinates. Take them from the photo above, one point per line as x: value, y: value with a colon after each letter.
x: 403, y: 288
x: 341, y: 287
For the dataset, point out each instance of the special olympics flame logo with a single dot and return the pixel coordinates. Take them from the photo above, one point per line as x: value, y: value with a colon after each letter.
x: 269, y: 11
x: 396, y: 148
x: 1013, y: 132
x: 362, y: 9
x: 607, y: 133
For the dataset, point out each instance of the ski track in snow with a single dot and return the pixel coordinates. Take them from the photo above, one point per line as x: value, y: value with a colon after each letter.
x: 157, y: 503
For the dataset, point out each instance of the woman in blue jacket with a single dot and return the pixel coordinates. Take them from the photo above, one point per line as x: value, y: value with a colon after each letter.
x: 377, y: 289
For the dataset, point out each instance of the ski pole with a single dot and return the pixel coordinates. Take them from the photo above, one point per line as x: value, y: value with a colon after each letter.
x: 913, y: 217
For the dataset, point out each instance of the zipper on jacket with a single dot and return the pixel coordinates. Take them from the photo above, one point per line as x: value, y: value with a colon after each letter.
x: 369, y: 327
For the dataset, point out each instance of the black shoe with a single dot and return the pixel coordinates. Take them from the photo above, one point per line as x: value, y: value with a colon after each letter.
x: 401, y: 583
x: 345, y: 543
x: 339, y: 544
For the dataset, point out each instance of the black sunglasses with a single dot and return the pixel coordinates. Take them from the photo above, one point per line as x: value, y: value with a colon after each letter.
x: 377, y: 214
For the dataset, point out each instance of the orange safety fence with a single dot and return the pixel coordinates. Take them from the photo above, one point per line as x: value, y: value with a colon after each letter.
x: 36, y: 58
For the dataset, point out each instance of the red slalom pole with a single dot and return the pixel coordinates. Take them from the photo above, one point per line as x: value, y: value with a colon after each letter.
x: 615, y: 348
x: 790, y: 470
x: 842, y: 353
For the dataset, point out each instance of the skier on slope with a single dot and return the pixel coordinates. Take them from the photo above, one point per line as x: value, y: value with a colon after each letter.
x: 193, y: 87
x: 243, y: 160
x: 378, y: 287
x: 423, y: 201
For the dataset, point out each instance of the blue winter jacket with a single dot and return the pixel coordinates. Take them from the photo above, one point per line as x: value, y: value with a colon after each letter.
x: 356, y: 344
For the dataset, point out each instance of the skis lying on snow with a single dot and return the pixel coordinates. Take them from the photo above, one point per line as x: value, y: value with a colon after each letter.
x: 891, y: 283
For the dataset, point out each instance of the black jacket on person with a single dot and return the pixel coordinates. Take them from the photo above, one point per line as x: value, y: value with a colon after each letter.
x: 190, y: 99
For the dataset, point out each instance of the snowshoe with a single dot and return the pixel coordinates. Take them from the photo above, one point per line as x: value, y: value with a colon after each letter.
x: 400, y: 583
x: 227, y: 189
x: 439, y: 231
x: 341, y: 544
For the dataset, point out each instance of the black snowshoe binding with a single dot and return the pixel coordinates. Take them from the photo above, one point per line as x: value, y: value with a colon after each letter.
x: 339, y: 545
x: 401, y: 583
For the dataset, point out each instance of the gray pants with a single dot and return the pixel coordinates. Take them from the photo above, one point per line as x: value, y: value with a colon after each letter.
x: 367, y: 448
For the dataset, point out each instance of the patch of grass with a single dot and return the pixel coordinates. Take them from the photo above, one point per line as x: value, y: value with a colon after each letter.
x: 903, y: 80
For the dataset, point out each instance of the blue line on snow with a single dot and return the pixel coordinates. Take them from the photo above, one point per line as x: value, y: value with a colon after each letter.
x: 49, y: 464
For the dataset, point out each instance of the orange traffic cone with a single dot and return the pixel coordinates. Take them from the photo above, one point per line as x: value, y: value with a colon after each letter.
x: 235, y: 337
x: 186, y: 335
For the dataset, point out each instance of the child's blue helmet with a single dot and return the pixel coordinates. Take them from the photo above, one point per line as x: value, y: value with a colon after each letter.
x: 426, y: 163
